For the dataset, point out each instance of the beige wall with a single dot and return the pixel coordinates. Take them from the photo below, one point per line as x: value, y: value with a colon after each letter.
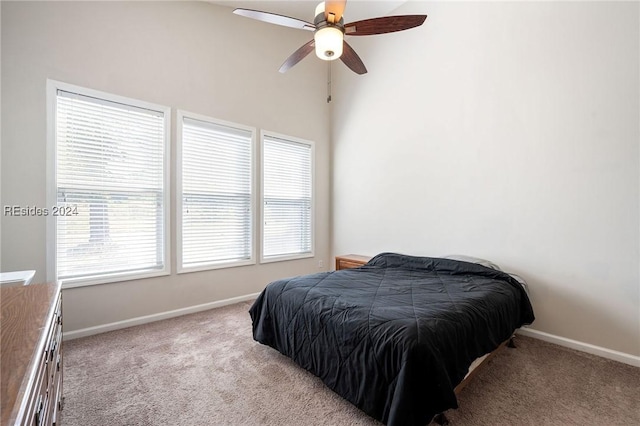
x: 194, y: 56
x: 504, y: 130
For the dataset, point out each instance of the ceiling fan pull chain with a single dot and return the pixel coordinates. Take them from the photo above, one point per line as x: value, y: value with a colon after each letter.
x: 329, y: 82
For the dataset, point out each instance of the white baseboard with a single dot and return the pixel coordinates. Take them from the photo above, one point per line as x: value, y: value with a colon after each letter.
x: 581, y: 346
x: 89, y: 331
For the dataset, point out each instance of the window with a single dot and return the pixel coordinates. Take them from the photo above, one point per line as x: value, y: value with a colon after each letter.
x: 215, y: 211
x: 287, y: 198
x: 109, y: 187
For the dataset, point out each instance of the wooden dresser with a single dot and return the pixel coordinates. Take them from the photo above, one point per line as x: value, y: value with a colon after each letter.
x: 31, y: 354
x: 350, y: 261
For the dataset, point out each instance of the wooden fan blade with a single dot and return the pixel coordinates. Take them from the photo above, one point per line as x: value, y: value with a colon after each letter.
x: 335, y: 8
x: 273, y: 18
x: 297, y: 56
x: 387, y: 24
x: 352, y: 60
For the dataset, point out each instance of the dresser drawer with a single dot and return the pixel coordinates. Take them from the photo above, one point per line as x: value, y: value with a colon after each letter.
x: 55, y: 367
x: 36, y: 399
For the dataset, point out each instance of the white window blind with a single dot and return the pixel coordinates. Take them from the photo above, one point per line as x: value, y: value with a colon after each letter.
x: 287, y: 198
x: 217, y: 194
x: 110, y: 178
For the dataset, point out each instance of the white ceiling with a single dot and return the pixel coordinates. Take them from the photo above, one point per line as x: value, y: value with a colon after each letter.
x: 303, y: 9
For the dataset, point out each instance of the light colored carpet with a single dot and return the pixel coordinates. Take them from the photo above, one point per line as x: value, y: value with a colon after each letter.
x: 206, y: 369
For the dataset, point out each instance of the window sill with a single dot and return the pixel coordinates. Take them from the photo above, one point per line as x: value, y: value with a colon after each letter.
x: 287, y: 257
x: 214, y: 266
x: 112, y: 278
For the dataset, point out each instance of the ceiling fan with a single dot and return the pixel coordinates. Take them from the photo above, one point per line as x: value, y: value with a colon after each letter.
x: 329, y: 30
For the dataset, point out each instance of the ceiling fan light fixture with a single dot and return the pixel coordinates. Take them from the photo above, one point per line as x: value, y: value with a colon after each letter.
x: 328, y: 41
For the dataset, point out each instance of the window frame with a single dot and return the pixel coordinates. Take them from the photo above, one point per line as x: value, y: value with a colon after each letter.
x: 311, y: 144
x: 180, y: 269
x: 52, y: 186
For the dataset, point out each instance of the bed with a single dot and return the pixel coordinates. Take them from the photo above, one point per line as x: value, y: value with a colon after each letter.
x: 395, y: 336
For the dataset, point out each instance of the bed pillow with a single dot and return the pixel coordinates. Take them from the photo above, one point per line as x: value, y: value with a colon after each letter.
x: 488, y: 264
x: 521, y: 280
x: 471, y: 259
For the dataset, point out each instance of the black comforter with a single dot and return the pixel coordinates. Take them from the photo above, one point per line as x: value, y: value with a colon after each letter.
x: 395, y: 336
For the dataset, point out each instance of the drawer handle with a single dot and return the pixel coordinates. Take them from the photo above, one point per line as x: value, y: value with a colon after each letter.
x: 52, y: 348
x: 58, y: 362
x: 39, y: 407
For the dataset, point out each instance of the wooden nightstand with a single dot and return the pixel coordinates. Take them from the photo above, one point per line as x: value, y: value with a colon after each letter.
x: 350, y: 261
